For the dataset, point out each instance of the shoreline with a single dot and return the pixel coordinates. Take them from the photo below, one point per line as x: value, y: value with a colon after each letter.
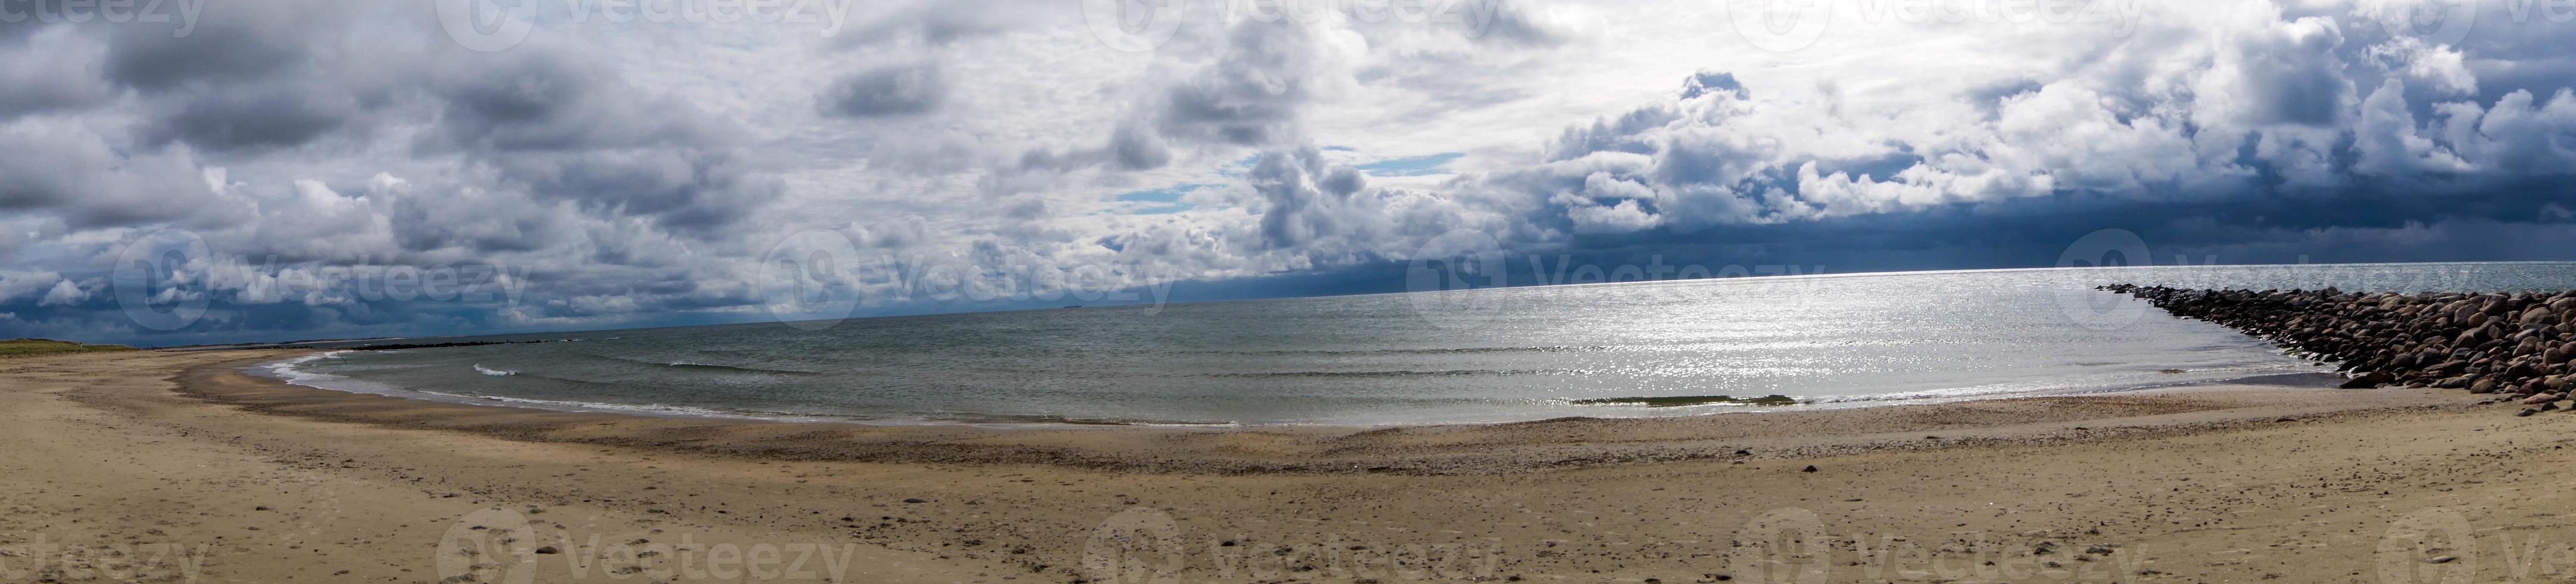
x: 268, y: 482
x: 1431, y: 449
x: 282, y: 370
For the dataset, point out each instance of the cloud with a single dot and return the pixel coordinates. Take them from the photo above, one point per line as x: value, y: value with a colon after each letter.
x: 1254, y: 94
x: 52, y: 72
x: 63, y: 294
x: 69, y: 171
x: 636, y: 173
x: 886, y: 91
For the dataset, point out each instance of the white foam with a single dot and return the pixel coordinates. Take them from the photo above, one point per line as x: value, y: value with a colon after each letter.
x: 478, y: 368
x: 651, y: 409
x: 288, y: 371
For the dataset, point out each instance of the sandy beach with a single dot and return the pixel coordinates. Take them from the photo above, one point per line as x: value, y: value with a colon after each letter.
x: 172, y: 466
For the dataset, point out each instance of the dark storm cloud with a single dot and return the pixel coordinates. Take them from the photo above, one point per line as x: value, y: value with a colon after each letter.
x: 1136, y: 148
x: 242, y: 79
x: 543, y: 157
x: 1253, y: 94
x: 240, y: 117
x: 950, y: 21
x: 562, y: 129
x: 886, y: 91
x: 235, y: 45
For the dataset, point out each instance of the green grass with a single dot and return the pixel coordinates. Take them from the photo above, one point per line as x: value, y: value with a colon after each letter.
x: 23, y: 347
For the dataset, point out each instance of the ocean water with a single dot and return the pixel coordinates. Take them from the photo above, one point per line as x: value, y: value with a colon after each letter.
x: 1607, y: 350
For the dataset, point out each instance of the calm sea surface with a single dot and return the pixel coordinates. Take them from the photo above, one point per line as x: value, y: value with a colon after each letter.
x: 1467, y: 356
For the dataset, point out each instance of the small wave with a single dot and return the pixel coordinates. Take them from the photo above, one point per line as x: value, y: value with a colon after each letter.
x: 1077, y: 421
x: 478, y: 368
x: 1420, y: 351
x: 715, y: 367
x: 647, y: 409
x: 685, y: 364
x: 1689, y: 400
x: 288, y: 369
x: 1396, y: 374
x: 291, y: 372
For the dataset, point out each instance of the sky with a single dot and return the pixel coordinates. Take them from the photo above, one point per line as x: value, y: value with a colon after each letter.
x: 193, y: 171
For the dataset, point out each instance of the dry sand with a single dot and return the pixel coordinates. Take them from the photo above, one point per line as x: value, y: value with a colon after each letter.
x: 157, y: 466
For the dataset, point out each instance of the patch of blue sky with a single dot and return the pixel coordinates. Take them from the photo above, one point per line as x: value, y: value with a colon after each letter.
x: 1170, y: 196
x: 1415, y: 166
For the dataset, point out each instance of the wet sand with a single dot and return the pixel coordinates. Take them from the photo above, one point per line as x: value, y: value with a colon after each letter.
x: 168, y: 464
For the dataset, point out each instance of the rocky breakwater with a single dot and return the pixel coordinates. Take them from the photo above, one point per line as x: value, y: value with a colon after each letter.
x: 2515, y: 345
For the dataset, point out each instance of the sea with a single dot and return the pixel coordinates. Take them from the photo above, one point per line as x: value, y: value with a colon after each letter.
x: 1637, y: 349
